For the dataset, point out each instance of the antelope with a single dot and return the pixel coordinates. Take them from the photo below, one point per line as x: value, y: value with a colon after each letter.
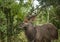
x: 48, y: 26
x: 44, y: 33
x: 36, y: 34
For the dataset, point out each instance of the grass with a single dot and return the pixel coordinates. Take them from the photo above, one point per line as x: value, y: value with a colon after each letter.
x: 58, y: 36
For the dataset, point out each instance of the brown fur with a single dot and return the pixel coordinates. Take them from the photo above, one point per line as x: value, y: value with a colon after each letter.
x: 37, y: 33
x: 52, y: 30
x: 44, y: 33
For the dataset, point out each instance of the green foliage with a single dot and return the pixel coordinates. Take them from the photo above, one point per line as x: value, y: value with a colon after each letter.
x: 13, y: 13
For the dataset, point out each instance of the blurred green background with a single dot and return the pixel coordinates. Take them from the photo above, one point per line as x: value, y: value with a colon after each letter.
x: 13, y: 12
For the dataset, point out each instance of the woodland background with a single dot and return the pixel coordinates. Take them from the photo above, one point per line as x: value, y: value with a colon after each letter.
x: 13, y: 12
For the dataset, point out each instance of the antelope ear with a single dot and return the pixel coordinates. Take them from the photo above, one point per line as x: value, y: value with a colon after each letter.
x: 25, y: 20
x: 33, y: 18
